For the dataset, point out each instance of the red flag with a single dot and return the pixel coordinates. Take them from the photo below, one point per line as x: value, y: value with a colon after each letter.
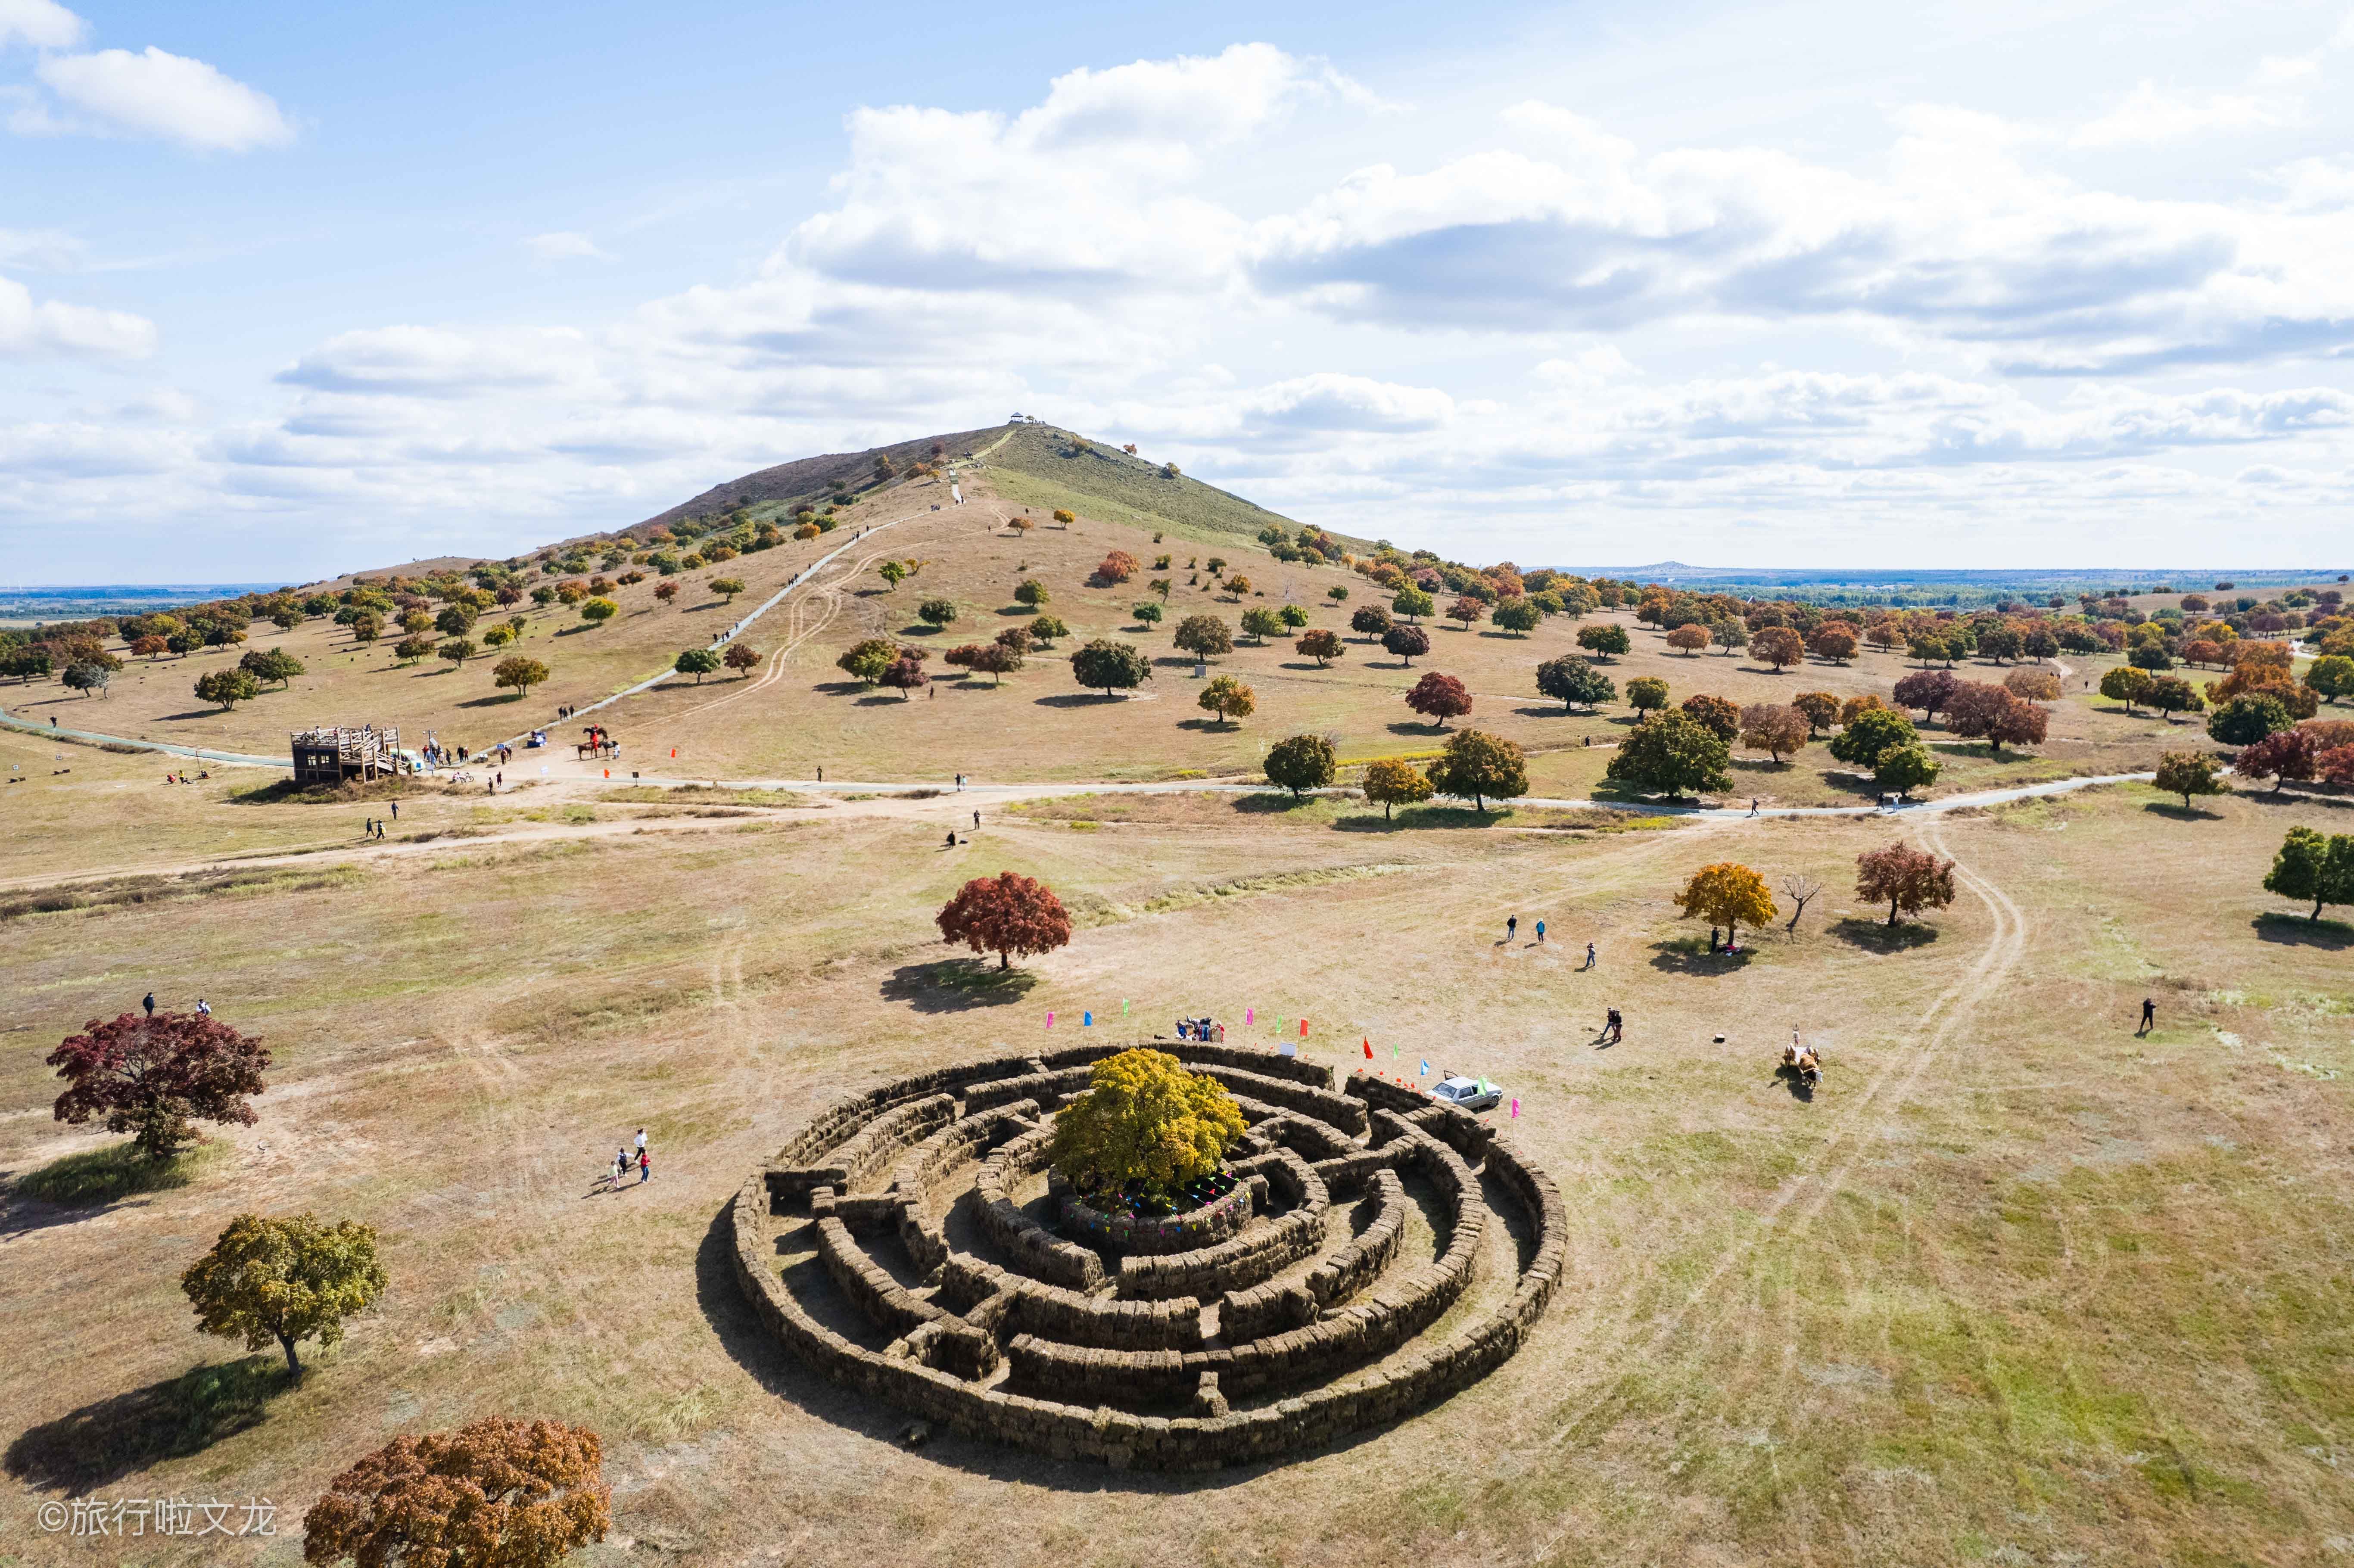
x: 1303, y: 1031
x: 1369, y: 1048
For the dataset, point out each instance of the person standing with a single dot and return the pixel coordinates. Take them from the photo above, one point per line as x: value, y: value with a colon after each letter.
x: 642, y: 1141
x: 396, y: 810
x: 1614, y: 1027
x: 2149, y: 1015
x: 976, y: 818
x: 1512, y: 927
x: 1540, y: 929
x: 645, y: 1167
x: 149, y: 1003
x: 1589, y: 955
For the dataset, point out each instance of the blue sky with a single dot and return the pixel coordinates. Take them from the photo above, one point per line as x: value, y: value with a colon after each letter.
x: 287, y: 290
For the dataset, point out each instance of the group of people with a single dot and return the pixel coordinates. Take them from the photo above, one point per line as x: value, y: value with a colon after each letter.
x: 1204, y: 1028
x: 623, y: 1159
x: 204, y: 1008
x: 1513, y: 929
x: 182, y: 776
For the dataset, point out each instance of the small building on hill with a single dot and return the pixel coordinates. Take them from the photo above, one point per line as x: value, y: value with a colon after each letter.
x: 324, y: 756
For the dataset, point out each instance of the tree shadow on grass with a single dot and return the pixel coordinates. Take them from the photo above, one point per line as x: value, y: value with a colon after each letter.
x: 956, y: 985
x: 1879, y: 937
x: 105, y: 1441
x: 1077, y: 700
x: 2296, y: 930
x: 1418, y: 727
x: 2182, y: 813
x: 1418, y: 817
x: 98, y: 1177
x: 1271, y: 804
x: 501, y: 700
x: 1690, y: 955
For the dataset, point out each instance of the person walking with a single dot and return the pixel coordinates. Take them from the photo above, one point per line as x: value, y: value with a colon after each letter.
x: 2148, y: 1016
x: 642, y: 1141
x: 380, y: 827
x: 149, y: 1003
x: 396, y: 810
x: 645, y: 1167
x: 1752, y: 805
x: 620, y: 1168
x: 1539, y: 928
x: 1512, y: 927
x: 1589, y: 955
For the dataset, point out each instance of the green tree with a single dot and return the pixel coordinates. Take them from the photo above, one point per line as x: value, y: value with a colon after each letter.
x: 1030, y: 591
x: 2125, y: 684
x: 2312, y: 865
x: 1338, y: 593
x: 697, y: 662
x: 1204, y: 636
x: 1261, y: 623
x: 2189, y: 773
x: 1645, y: 693
x: 1575, y: 682
x: 1228, y: 698
x: 1294, y: 617
x: 1393, y: 782
x: 2247, y: 719
x: 1516, y: 616
x: 1668, y: 753
x: 87, y: 676
x: 1148, y: 613
x: 868, y: 659
x: 286, y: 1281
x: 1480, y: 767
x: 1413, y: 603
x: 1905, y: 769
x: 518, y: 673
x: 1144, y: 1119
x: 2332, y: 676
x: 1162, y: 586
x: 2171, y: 694
x: 936, y: 612
x: 455, y: 621
x: 1107, y: 666
x: 458, y: 649
x: 1604, y: 640
x: 226, y: 688
x: 1300, y: 762
x: 726, y: 589
x: 273, y: 664
x: 1874, y: 732
x: 1045, y: 629
x: 892, y: 572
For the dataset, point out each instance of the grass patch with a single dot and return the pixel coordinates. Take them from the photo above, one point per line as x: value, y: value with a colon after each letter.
x: 656, y: 794
x: 286, y: 793
x: 102, y: 1176
x: 128, y: 890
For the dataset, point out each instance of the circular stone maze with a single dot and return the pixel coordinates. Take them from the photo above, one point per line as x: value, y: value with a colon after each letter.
x: 906, y: 1243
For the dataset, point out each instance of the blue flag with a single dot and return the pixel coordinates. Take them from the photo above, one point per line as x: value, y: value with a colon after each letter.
x: 1086, y: 1020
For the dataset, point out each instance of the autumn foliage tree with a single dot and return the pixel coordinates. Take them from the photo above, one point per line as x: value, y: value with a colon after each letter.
x: 1144, y: 1119
x: 1005, y: 914
x: 1719, y: 717
x: 1440, y: 698
x: 1730, y: 893
x: 155, y: 1077
x: 1777, y: 646
x: 1320, y: 645
x: 741, y: 657
x: 493, y: 1493
x: 284, y: 1280
x: 1393, y: 781
x: 1405, y: 641
x: 2188, y: 773
x: 1904, y: 878
x: 1774, y: 728
x: 1687, y: 640
x: 519, y: 675
x: 1204, y: 636
x: 1228, y: 698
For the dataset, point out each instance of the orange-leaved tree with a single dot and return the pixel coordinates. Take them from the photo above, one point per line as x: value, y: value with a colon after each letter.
x: 1910, y: 880
x: 1004, y: 914
x: 520, y: 1494
x: 1730, y: 892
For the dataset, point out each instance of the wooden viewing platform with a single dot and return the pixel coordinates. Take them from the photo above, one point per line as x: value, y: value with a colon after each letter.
x: 325, y: 756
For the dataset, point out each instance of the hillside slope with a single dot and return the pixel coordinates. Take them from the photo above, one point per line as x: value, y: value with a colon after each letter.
x: 773, y: 490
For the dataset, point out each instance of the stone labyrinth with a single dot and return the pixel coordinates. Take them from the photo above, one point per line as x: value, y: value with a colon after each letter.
x: 909, y: 1243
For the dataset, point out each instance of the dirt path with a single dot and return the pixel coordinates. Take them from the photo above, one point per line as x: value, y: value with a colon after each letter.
x: 1863, y: 1117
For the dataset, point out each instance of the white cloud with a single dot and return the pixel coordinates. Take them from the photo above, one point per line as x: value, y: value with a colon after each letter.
x: 42, y: 24
x: 2149, y: 117
x: 165, y: 97
x: 563, y: 246
x: 50, y: 327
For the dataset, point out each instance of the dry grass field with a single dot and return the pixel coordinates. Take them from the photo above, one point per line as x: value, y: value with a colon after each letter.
x: 2014, y: 1286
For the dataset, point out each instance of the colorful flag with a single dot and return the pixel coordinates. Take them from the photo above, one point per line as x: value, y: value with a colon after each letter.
x: 1123, y: 1007
x: 1250, y: 1015
x: 1050, y: 1021
x: 1516, y: 1108
x: 1087, y: 1019
x: 1369, y: 1048
x: 1303, y: 1029
x: 1426, y: 1070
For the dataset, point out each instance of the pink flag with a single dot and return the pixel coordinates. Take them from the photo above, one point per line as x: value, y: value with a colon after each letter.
x: 1516, y: 1109
x: 1050, y: 1021
x: 1250, y: 1015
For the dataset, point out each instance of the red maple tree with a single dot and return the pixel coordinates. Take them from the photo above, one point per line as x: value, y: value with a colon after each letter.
x: 514, y: 1493
x: 1909, y: 879
x: 1003, y: 915
x: 155, y: 1077
x: 1440, y: 697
